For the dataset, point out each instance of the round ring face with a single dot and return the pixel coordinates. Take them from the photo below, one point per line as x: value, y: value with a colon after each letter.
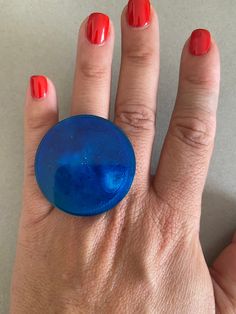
x: 85, y: 165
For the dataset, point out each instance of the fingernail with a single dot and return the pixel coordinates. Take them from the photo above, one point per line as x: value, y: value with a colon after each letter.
x: 97, y: 28
x: 200, y: 42
x: 39, y: 86
x: 138, y: 13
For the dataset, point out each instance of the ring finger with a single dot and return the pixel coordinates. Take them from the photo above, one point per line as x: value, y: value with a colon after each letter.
x: 91, y: 92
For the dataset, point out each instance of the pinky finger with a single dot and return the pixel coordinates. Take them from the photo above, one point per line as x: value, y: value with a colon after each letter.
x: 41, y: 114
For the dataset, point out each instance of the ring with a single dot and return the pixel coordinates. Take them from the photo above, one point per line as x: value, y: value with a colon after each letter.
x: 85, y: 165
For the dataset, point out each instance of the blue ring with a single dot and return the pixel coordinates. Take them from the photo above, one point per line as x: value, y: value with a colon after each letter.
x: 85, y: 165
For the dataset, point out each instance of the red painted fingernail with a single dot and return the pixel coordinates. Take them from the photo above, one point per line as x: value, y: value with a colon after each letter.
x: 39, y: 86
x: 97, y: 28
x: 200, y: 42
x: 138, y: 13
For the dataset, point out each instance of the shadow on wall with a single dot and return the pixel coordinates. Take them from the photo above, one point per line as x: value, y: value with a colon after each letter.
x: 218, y: 223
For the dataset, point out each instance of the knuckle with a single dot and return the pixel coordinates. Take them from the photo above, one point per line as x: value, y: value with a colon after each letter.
x: 30, y: 154
x: 93, y: 71
x: 137, y: 118
x: 29, y: 169
x: 196, y: 132
x: 196, y: 79
x: 38, y: 124
x: 140, y: 56
x: 202, y: 81
x: 37, y: 121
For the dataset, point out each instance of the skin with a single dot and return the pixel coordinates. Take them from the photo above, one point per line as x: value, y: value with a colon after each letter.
x: 144, y: 256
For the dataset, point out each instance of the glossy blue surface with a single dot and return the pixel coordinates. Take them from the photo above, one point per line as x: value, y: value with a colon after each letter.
x: 85, y: 165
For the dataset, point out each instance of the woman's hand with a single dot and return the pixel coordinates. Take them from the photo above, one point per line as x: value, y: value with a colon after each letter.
x: 144, y: 256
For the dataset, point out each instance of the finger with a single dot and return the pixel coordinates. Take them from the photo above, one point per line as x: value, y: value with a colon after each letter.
x: 40, y: 115
x: 187, y: 150
x: 223, y: 273
x: 92, y: 80
x: 136, y: 96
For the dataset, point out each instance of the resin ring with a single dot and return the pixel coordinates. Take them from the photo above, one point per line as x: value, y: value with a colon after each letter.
x: 85, y: 165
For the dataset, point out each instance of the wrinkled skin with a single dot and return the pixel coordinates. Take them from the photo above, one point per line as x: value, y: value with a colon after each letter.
x: 144, y: 256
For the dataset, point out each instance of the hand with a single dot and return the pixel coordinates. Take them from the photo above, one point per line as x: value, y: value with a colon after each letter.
x: 144, y: 256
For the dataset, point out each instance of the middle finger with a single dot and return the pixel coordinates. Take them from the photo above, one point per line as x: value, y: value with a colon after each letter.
x: 136, y: 96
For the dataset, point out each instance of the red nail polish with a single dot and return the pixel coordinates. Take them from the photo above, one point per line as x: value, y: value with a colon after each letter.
x: 200, y: 42
x: 97, y: 28
x: 138, y: 13
x: 39, y: 86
